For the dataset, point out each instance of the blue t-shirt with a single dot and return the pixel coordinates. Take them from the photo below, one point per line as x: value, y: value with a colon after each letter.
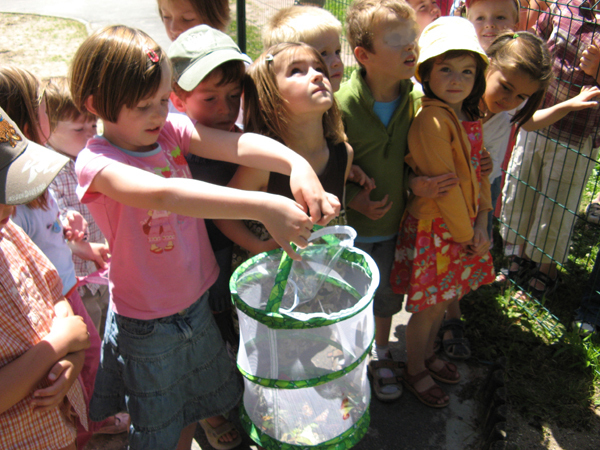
x: 385, y: 110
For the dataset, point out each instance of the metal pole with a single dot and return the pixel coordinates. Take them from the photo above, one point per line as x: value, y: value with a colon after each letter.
x: 241, y: 24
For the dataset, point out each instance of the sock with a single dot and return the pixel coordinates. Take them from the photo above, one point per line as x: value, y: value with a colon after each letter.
x: 382, y: 352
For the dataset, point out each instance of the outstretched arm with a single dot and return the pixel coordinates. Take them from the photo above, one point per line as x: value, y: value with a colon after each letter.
x: 283, y: 218
x: 263, y: 153
x: 545, y: 117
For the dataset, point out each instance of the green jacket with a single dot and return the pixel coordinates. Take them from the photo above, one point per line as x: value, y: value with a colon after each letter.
x: 378, y: 150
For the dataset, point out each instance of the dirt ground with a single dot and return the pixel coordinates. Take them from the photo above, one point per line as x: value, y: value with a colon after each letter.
x: 45, y: 46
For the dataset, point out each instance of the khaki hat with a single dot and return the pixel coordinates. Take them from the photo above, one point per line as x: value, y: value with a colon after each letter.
x: 26, y: 168
x: 445, y: 34
x: 200, y: 50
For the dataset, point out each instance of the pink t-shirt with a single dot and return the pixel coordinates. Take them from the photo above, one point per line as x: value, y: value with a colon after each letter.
x: 161, y: 262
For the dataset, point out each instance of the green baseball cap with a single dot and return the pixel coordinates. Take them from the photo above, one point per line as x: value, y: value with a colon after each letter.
x: 200, y: 50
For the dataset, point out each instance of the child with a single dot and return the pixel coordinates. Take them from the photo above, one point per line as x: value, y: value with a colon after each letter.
x: 41, y: 342
x: 134, y: 181
x: 492, y: 17
x: 314, y: 26
x: 378, y: 104
x: 207, y: 86
x: 181, y: 15
x: 39, y: 219
x: 288, y: 97
x: 442, y: 251
x: 426, y: 10
x: 70, y: 132
x: 549, y: 169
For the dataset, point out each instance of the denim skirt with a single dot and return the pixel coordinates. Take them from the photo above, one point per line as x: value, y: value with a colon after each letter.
x: 167, y: 373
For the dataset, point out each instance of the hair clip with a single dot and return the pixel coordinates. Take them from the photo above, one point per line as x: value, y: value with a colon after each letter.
x: 152, y: 55
x: 516, y: 35
x: 269, y: 57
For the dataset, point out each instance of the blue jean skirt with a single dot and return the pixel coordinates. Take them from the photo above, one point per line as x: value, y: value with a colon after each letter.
x: 167, y: 373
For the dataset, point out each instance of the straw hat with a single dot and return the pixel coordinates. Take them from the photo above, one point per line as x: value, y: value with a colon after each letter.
x: 445, y: 34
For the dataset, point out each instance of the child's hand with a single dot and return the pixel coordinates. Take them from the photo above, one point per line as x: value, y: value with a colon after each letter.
x: 287, y: 222
x: 62, y: 376
x: 433, y: 187
x: 76, y: 228
x: 91, y: 251
x: 68, y: 335
x: 481, y: 242
x: 590, y: 59
x: 486, y: 163
x: 308, y: 192
x: 372, y: 209
x: 585, y: 99
x: 358, y: 176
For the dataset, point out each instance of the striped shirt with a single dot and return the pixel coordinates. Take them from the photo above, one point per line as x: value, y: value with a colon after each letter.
x: 29, y: 288
x: 569, y: 28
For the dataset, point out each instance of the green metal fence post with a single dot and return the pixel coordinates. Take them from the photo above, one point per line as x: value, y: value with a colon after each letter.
x: 241, y: 24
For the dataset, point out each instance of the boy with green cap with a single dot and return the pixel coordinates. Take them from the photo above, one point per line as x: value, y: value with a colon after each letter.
x: 208, y: 73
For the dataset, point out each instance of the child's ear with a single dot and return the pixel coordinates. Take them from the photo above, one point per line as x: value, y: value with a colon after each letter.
x: 361, y: 54
x: 89, y: 105
x: 177, y: 102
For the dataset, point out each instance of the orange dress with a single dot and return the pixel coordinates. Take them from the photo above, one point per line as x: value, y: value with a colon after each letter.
x: 429, y: 267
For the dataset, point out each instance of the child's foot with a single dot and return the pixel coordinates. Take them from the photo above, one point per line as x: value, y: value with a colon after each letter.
x: 441, y: 370
x: 387, y: 379
x: 454, y: 342
x: 221, y: 433
x: 425, y: 389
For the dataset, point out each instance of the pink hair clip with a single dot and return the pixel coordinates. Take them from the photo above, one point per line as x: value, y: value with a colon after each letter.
x: 152, y: 55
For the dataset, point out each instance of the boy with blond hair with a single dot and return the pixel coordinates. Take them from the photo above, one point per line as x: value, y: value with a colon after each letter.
x: 378, y: 104
x: 314, y: 26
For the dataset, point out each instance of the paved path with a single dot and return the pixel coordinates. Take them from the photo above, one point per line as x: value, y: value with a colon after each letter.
x: 406, y: 424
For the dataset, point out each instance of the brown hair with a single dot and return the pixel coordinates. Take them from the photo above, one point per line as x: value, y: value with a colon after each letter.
x: 526, y: 53
x: 60, y: 106
x: 266, y: 111
x: 470, y: 105
x: 299, y: 24
x: 214, y: 13
x: 363, y: 17
x: 118, y: 66
x: 232, y: 71
x: 20, y: 97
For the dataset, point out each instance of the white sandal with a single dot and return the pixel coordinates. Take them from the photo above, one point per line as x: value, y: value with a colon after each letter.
x: 214, y: 434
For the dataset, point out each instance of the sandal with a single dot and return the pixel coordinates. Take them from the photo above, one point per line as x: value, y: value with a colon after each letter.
x: 458, y: 346
x: 592, y: 213
x: 549, y: 285
x: 429, y: 397
x: 525, y: 266
x: 447, y: 374
x: 215, y: 434
x: 380, y: 374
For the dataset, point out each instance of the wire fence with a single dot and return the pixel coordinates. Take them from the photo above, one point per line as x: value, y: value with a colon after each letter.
x: 549, y: 177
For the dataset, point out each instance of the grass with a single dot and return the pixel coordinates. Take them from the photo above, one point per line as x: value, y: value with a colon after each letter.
x: 552, y: 374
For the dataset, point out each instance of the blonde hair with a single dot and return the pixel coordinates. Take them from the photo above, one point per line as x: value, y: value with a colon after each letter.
x: 214, y: 13
x: 20, y: 97
x: 515, y: 3
x: 117, y: 66
x: 299, y: 24
x: 363, y: 17
x: 59, y: 102
x: 266, y: 111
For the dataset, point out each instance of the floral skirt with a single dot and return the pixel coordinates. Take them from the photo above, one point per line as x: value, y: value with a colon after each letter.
x: 429, y: 267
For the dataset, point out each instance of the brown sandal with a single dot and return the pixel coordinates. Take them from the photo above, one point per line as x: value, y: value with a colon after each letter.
x: 447, y: 374
x: 428, y: 397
